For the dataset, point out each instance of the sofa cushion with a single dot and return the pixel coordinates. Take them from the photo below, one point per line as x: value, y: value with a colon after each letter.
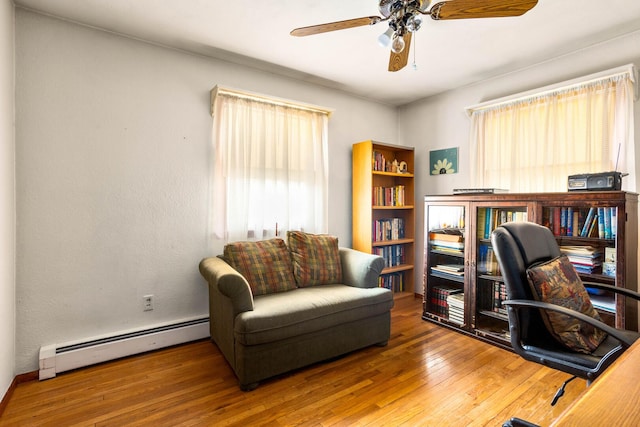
x: 315, y: 257
x: 306, y: 310
x: 265, y: 264
x: 557, y: 282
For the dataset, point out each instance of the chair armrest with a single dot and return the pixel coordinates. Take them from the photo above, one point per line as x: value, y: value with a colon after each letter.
x: 618, y: 334
x: 616, y: 289
x: 229, y: 282
x: 360, y: 269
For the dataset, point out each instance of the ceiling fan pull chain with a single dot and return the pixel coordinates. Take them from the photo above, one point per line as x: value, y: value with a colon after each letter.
x: 414, y: 65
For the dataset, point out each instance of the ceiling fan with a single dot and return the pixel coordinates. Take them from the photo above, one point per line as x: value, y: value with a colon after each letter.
x: 405, y: 18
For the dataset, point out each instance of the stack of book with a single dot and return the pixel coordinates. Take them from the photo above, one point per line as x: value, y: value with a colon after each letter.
x: 585, y: 259
x: 456, y: 307
x: 448, y: 271
x: 447, y: 240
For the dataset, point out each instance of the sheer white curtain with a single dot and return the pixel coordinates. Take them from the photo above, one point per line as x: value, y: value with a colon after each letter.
x: 270, y: 168
x: 533, y: 143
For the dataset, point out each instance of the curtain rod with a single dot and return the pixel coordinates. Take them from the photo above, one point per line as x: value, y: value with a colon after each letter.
x: 221, y: 90
x: 628, y: 69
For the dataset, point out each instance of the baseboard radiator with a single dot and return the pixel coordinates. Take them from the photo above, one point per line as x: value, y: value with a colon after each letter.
x: 57, y: 358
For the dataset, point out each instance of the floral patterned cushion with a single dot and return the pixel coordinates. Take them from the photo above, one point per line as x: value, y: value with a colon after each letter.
x: 315, y: 257
x: 557, y: 282
x: 265, y: 264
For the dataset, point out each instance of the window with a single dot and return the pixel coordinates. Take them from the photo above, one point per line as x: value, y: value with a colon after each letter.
x: 533, y: 142
x: 270, y: 171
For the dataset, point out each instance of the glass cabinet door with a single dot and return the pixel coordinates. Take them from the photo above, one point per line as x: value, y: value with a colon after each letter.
x: 588, y: 236
x: 445, y: 263
x: 490, y: 317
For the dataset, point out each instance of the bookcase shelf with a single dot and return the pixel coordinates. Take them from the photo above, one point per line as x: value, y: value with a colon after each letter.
x: 600, y: 256
x: 391, y: 242
x: 384, y: 209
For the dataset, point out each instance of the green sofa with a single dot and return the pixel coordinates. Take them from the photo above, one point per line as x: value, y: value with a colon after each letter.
x: 264, y: 335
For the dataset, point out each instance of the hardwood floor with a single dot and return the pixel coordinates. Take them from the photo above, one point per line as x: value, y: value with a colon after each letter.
x: 426, y: 376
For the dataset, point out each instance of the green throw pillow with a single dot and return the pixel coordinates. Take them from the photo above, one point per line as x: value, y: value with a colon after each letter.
x: 315, y: 257
x: 557, y: 282
x: 265, y: 264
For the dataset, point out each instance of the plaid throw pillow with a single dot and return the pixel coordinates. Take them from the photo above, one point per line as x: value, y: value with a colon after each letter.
x: 316, y: 259
x: 265, y: 264
x: 557, y: 282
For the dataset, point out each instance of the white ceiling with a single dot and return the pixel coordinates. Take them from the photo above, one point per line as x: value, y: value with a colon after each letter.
x: 448, y: 54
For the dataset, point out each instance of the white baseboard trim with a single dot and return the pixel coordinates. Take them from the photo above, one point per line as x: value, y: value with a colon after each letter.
x: 57, y: 358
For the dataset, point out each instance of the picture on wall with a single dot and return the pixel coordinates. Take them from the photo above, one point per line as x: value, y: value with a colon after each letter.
x: 443, y: 161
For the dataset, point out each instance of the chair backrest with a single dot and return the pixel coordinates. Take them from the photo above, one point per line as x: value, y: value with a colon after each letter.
x: 517, y: 246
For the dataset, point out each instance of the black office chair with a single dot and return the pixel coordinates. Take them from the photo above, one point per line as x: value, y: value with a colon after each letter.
x: 520, y: 246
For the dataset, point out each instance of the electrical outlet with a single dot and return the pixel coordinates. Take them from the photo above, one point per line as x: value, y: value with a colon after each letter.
x: 148, y: 302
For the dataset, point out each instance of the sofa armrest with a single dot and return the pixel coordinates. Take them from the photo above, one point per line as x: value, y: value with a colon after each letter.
x: 229, y: 282
x: 360, y: 269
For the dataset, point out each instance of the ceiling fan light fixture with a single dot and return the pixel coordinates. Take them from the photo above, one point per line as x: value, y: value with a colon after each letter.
x: 413, y: 23
x: 397, y: 45
x: 384, y: 39
x: 425, y: 5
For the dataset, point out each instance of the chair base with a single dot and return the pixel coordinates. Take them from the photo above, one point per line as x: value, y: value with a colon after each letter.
x: 560, y: 391
x: 517, y: 422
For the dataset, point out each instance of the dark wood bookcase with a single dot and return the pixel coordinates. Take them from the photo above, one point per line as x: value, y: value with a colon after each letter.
x: 384, y: 209
x: 463, y: 288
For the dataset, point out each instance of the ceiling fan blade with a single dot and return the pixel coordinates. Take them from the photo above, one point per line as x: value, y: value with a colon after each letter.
x: 334, y: 26
x: 397, y: 61
x: 466, y: 9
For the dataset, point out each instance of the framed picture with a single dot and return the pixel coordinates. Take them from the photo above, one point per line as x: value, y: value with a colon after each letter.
x: 443, y: 161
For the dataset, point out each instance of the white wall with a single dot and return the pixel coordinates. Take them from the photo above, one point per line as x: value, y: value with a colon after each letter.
x: 7, y: 198
x: 112, y: 165
x: 440, y: 121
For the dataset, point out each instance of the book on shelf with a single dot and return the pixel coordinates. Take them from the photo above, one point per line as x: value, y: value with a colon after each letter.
x: 587, y: 223
x: 381, y: 164
x: 609, y: 254
x: 456, y: 300
x: 490, y: 218
x: 447, y: 234
x: 596, y: 222
x: 604, y: 303
x: 447, y: 244
x: 479, y: 190
x: 389, y: 196
x: 448, y: 270
x: 487, y: 261
x: 388, y: 229
x: 491, y: 294
x: 447, y: 250
x: 394, y: 255
x: 454, y: 268
x: 609, y: 263
x: 585, y: 259
x: 448, y: 240
x: 438, y: 299
x: 455, y: 303
x: 393, y: 281
x: 499, y: 295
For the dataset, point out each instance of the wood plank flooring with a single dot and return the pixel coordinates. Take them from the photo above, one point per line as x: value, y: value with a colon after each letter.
x: 426, y: 376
